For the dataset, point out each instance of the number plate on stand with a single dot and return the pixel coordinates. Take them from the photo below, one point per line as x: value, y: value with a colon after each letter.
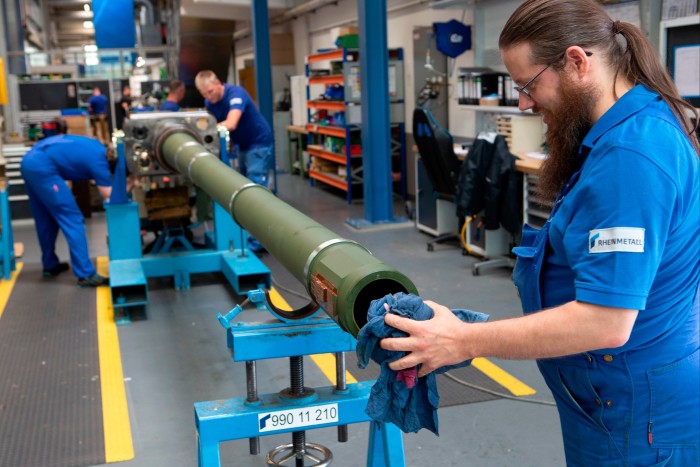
x: 297, y: 418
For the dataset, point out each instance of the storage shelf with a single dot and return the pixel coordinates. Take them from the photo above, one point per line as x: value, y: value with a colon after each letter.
x: 504, y: 109
x: 318, y: 151
x: 326, y: 130
x: 329, y: 179
x: 327, y: 79
x: 336, y: 54
x: 326, y: 105
x: 345, y: 167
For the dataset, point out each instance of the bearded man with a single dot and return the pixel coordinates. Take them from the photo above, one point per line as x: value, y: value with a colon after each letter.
x: 609, y: 286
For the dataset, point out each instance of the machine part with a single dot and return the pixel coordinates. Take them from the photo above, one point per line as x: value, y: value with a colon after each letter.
x: 251, y: 376
x: 307, y: 311
x: 341, y: 387
x: 340, y: 275
x: 143, y: 131
x: 286, y: 452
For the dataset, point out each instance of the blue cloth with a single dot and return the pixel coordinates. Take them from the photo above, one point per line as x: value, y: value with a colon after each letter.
x: 98, y: 104
x: 169, y: 106
x: 44, y: 169
x: 253, y: 129
x: 639, y: 404
x: 391, y: 400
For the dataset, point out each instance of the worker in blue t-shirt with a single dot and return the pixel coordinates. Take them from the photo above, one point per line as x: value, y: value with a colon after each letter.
x: 176, y: 93
x: 233, y: 108
x: 610, y: 285
x: 98, y: 105
x: 45, y: 169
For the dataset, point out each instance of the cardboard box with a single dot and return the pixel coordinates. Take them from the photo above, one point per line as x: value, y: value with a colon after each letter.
x: 77, y: 125
x: 322, y: 165
x: 282, y: 49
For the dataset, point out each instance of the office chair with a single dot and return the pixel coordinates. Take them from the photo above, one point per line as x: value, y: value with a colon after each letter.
x: 436, y: 149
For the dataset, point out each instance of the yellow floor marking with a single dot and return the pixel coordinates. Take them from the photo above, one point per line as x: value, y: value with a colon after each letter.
x: 326, y: 361
x: 115, y: 412
x: 508, y: 381
x: 6, y: 287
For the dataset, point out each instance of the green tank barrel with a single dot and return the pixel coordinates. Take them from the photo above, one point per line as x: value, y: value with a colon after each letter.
x: 342, y: 276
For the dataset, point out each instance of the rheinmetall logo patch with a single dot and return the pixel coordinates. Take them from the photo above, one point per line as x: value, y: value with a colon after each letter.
x: 627, y: 239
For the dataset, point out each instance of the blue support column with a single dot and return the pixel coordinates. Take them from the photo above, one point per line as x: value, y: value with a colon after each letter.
x: 7, y: 244
x: 376, y: 131
x: 263, y: 68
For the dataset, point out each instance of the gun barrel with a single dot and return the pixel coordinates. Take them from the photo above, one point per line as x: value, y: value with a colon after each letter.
x: 342, y: 276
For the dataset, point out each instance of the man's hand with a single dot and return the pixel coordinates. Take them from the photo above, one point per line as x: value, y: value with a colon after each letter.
x: 433, y: 343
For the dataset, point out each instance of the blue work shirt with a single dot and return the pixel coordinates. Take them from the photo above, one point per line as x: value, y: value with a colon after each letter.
x: 253, y: 129
x: 98, y: 104
x: 169, y: 106
x: 627, y: 235
x: 75, y: 157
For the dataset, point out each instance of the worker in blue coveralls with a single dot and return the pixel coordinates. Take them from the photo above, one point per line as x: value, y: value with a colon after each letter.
x: 609, y: 286
x: 97, y: 105
x: 45, y: 168
x: 176, y: 92
x: 233, y: 108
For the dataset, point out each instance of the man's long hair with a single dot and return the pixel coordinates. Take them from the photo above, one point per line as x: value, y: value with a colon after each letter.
x: 551, y: 26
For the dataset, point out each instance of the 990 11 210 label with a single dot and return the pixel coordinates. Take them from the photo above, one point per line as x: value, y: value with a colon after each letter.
x: 297, y: 418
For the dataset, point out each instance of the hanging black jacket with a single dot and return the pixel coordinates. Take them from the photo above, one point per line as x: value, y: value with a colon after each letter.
x: 489, y: 182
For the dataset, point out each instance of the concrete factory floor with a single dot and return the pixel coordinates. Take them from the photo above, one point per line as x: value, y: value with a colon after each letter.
x: 178, y: 356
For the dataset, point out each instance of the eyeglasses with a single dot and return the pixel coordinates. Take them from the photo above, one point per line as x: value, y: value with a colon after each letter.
x: 523, y: 89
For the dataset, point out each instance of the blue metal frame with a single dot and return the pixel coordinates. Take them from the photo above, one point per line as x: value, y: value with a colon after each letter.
x: 225, y: 420
x: 129, y: 269
x: 7, y: 244
x: 230, y: 419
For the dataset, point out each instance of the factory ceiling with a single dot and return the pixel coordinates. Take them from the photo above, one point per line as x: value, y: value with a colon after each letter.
x: 70, y: 20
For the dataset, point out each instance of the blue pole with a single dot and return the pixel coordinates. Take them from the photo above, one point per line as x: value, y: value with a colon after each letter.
x: 376, y: 131
x: 263, y: 67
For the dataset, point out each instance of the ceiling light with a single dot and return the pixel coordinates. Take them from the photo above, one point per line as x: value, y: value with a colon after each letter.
x: 86, y: 7
x: 88, y: 25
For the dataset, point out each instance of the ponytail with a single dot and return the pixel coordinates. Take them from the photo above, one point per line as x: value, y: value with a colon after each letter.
x: 640, y: 64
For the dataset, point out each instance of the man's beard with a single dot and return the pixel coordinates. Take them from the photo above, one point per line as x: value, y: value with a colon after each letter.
x: 568, y: 124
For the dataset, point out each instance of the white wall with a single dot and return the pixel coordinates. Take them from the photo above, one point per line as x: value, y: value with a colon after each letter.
x: 313, y: 32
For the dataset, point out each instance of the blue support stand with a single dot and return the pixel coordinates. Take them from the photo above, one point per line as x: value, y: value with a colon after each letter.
x: 295, y: 409
x: 7, y: 244
x: 129, y: 268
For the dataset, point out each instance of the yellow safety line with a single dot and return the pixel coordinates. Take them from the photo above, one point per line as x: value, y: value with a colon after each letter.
x: 6, y: 287
x: 326, y: 361
x: 508, y: 381
x: 115, y: 412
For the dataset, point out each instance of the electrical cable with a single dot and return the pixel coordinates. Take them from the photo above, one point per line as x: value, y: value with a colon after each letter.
x: 463, y: 234
x: 285, y: 289
x: 496, y: 393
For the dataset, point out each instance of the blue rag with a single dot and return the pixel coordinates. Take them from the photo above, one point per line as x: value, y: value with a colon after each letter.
x: 400, y: 398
